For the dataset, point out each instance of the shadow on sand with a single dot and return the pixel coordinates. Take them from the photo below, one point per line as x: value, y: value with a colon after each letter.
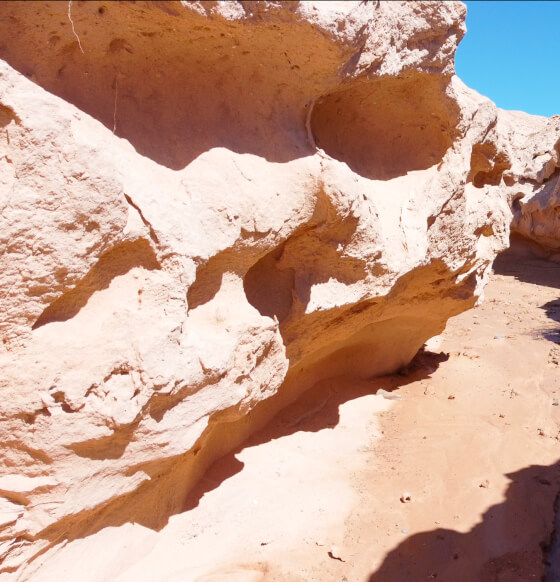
x: 510, y: 544
x: 524, y: 262
x: 315, y: 410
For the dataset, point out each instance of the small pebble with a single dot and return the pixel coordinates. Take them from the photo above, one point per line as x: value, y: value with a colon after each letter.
x: 335, y: 554
x: 451, y: 397
x: 388, y: 395
x: 406, y: 498
x: 555, y: 402
x: 485, y: 484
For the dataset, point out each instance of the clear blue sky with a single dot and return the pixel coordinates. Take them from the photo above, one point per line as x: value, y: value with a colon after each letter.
x: 511, y: 54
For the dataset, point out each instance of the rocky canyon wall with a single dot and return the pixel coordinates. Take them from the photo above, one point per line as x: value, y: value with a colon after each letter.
x: 208, y: 207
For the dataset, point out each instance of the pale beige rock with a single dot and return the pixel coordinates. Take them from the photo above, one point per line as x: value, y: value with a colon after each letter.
x: 206, y: 210
x: 534, y: 187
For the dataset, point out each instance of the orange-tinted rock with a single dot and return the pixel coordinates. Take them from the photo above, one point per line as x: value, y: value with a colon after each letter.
x: 206, y: 209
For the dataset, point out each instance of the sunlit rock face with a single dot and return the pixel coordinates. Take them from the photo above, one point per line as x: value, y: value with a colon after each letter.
x: 534, y: 179
x: 208, y: 207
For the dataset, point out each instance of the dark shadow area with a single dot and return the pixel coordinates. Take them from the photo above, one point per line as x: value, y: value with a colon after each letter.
x: 510, y: 544
x: 109, y: 447
x: 552, y: 310
x: 553, y: 550
x: 487, y: 165
x: 208, y: 280
x: 213, y: 478
x: 388, y: 126
x: 118, y: 261
x: 7, y: 115
x: 35, y: 455
x: 173, y: 82
x: 527, y: 262
x: 269, y: 288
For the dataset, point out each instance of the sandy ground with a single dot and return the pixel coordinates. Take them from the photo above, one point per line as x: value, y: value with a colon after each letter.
x: 450, y: 475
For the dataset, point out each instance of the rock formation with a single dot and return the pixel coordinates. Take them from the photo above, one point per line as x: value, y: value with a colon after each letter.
x: 207, y: 207
x: 535, y: 192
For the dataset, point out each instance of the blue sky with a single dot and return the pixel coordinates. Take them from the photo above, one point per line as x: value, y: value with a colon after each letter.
x: 511, y: 54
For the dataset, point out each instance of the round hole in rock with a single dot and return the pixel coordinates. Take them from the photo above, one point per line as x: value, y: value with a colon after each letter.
x: 386, y: 127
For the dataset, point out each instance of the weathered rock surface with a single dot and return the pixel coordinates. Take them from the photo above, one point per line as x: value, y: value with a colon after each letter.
x: 535, y: 177
x: 209, y: 207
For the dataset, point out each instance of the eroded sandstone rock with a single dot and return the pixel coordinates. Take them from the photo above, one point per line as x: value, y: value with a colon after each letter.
x: 535, y: 180
x: 207, y: 208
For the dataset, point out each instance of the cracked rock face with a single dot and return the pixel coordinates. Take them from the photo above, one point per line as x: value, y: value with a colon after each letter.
x: 208, y: 207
